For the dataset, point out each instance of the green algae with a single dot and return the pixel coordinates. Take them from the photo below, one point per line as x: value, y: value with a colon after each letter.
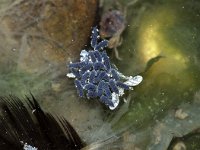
x: 170, y: 80
x: 168, y: 30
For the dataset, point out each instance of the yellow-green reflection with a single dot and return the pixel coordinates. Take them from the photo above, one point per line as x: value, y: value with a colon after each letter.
x: 152, y: 41
x: 172, y: 79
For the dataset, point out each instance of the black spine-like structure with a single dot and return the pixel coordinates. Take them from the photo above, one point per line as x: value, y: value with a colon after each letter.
x: 30, y: 128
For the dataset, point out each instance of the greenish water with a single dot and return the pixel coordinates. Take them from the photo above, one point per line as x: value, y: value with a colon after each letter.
x: 168, y: 29
x: 34, y: 54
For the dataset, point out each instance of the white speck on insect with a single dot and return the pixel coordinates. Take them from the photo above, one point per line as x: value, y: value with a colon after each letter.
x: 70, y: 75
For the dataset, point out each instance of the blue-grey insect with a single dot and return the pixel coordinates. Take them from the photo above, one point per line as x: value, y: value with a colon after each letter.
x: 98, y: 55
x: 99, y: 66
x: 92, y: 56
x: 79, y: 88
x: 100, y: 76
x: 90, y: 87
x: 91, y: 94
x: 92, y: 76
x: 106, y: 61
x: 94, y: 37
x: 122, y: 85
x: 101, y: 45
x: 106, y: 100
x: 85, y: 77
x: 113, y: 86
x: 115, y: 74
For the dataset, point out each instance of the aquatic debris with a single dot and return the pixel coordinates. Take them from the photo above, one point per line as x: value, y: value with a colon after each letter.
x: 96, y: 77
x: 180, y: 114
x: 112, y: 25
x: 179, y: 146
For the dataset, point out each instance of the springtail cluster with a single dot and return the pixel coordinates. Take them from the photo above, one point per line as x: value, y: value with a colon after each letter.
x: 95, y: 76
